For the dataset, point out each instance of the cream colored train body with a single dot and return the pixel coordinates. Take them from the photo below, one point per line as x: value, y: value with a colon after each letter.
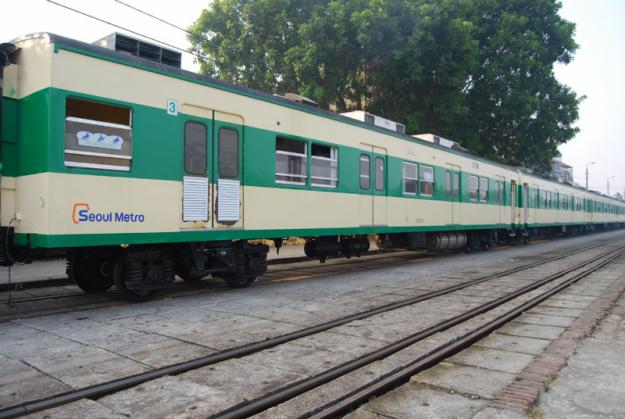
x: 136, y: 171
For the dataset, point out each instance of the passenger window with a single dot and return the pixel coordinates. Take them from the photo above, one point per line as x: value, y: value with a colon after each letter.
x: 365, y: 171
x: 195, y: 148
x: 410, y: 178
x: 426, y: 174
x: 228, y: 153
x: 447, y: 184
x: 456, y: 185
x: 324, y: 166
x: 97, y: 135
x: 473, y: 185
x: 537, y: 198
x: 483, y: 189
x: 379, y: 174
x: 499, y: 192
x: 291, y: 161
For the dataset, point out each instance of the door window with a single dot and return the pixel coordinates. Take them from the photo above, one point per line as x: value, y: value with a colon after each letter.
x: 195, y: 148
x: 379, y: 174
x: 365, y: 171
x: 228, y: 153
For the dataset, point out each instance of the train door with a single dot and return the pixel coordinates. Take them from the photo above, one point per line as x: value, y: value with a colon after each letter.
x: 513, y: 202
x: 501, y: 201
x: 379, y: 186
x: 227, y: 165
x: 197, y: 153
x: 526, y: 208
x: 365, y: 207
x: 453, y: 175
x: 373, y: 205
x: 533, y: 204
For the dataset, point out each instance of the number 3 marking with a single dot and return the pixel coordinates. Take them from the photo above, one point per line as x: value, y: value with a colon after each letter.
x: 172, y: 107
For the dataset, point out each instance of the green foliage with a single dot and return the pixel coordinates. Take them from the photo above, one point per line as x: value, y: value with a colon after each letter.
x: 478, y: 71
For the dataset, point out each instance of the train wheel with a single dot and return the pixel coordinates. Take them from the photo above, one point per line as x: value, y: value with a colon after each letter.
x: 92, y: 274
x: 126, y: 273
x: 238, y: 281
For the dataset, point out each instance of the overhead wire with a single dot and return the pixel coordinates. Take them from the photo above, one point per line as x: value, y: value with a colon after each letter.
x: 80, y: 12
x: 166, y: 22
x: 153, y: 16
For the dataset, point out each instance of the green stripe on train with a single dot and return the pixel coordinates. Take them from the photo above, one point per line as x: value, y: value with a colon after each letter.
x: 39, y: 120
x: 79, y: 240
x: 42, y: 117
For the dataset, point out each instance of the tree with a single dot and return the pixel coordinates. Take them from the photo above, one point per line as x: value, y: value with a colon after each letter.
x: 523, y: 112
x: 477, y: 71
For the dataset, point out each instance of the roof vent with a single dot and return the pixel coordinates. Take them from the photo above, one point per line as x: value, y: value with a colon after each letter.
x: 119, y: 42
x: 444, y: 142
x: 301, y: 99
x: 376, y: 121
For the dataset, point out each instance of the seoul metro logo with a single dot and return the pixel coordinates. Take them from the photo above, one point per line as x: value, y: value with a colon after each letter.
x: 81, y: 213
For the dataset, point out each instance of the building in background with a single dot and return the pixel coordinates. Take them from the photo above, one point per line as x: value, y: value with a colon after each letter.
x: 561, y: 171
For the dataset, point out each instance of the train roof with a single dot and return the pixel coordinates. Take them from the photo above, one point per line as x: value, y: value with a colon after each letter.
x: 126, y: 58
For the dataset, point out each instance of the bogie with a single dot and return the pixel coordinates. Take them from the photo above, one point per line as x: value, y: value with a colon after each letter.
x: 92, y: 273
x: 138, y: 276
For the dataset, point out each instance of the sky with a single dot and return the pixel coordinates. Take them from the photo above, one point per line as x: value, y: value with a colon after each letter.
x: 597, y: 72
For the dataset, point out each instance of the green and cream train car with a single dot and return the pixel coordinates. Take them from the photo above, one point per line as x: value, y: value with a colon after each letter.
x: 137, y: 171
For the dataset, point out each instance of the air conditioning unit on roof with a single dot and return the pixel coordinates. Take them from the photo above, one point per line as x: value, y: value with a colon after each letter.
x: 444, y: 142
x: 118, y: 42
x: 376, y: 121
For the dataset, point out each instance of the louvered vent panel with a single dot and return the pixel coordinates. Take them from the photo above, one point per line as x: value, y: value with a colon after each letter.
x: 228, y: 200
x: 195, y: 199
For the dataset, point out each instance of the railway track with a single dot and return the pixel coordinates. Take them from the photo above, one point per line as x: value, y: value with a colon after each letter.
x: 64, y: 281
x: 598, y: 259
x: 281, y: 272
x: 348, y: 402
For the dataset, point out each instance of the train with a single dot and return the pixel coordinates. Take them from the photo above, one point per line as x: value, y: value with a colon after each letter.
x: 137, y: 171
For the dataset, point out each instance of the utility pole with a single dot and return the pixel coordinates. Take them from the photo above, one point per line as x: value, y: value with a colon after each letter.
x: 588, y: 164
x: 608, y: 182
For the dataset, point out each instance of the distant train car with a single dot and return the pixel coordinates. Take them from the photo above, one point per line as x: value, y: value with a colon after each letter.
x: 137, y: 171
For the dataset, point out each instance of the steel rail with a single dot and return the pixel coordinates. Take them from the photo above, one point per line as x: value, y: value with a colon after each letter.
x: 399, y: 376
x: 284, y: 261
x: 62, y: 282
x: 393, y: 254
x: 262, y: 403
x: 101, y: 389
